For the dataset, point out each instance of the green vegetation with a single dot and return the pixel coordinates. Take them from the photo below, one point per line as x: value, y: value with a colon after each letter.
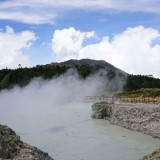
x: 84, y: 70
x: 143, y: 92
x: 141, y: 86
x: 22, y: 76
x: 135, y: 84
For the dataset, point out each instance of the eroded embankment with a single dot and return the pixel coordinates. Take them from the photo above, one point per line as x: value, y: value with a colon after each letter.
x: 12, y: 148
x: 143, y: 118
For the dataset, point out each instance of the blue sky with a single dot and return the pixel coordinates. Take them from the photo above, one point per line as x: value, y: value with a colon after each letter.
x: 125, y: 34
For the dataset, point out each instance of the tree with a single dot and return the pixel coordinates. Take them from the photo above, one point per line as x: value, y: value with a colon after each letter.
x: 5, y: 82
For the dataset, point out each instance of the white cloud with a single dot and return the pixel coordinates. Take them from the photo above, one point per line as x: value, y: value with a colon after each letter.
x: 133, y: 50
x: 68, y: 42
x: 30, y: 18
x: 11, y: 46
x: 45, y: 11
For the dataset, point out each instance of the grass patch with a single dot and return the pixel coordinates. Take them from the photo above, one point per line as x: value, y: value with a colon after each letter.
x: 143, y: 92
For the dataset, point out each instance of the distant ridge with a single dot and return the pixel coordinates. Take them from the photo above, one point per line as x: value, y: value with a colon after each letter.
x: 85, y: 67
x: 90, y: 62
x: 96, y: 64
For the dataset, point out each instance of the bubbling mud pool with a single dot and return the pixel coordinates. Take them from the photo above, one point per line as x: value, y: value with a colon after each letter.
x: 67, y: 132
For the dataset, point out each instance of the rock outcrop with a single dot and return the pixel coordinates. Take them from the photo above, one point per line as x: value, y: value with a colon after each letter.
x: 102, y: 110
x: 153, y: 156
x: 12, y: 148
x: 143, y: 118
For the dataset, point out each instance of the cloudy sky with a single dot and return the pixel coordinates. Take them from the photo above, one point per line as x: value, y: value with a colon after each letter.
x: 121, y: 32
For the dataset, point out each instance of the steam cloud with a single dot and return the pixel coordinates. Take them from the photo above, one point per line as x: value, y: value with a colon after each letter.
x: 40, y: 112
x: 67, y: 87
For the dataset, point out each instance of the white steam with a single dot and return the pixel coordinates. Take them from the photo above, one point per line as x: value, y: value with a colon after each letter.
x: 67, y: 87
x: 41, y: 96
x: 49, y: 105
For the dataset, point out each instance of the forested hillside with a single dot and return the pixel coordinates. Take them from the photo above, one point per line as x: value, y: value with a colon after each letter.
x: 135, y: 82
x: 85, y: 67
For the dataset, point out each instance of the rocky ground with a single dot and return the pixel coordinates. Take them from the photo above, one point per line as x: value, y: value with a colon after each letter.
x: 144, y: 118
x: 12, y: 148
x: 153, y: 156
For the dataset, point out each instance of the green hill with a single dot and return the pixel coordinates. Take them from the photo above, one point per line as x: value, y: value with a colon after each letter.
x: 85, y: 67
